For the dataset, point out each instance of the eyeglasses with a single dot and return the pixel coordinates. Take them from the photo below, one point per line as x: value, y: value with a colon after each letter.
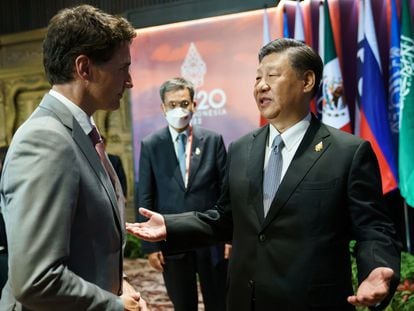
x: 183, y: 104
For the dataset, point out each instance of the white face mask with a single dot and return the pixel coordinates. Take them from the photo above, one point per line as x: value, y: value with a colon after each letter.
x: 178, y: 117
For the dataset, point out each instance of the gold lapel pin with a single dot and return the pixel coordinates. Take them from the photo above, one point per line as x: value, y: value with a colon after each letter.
x: 319, y: 147
x: 197, y: 151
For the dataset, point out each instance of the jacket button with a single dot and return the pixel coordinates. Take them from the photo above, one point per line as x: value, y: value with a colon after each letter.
x: 262, y: 238
x: 251, y: 283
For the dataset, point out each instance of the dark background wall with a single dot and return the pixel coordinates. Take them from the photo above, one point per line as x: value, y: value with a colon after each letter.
x: 24, y: 15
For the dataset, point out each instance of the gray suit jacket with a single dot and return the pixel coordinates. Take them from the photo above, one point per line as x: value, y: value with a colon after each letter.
x: 63, y: 226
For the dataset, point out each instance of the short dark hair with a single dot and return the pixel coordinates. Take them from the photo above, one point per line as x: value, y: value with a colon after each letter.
x: 176, y: 84
x: 81, y: 30
x: 301, y: 57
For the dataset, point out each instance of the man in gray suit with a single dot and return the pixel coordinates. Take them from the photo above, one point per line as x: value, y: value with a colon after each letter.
x: 297, y: 192
x: 63, y: 215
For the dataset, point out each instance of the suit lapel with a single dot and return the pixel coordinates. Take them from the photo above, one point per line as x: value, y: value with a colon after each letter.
x: 197, y: 148
x: 86, y: 147
x: 167, y: 145
x: 256, y: 154
x: 84, y: 143
x: 305, y: 157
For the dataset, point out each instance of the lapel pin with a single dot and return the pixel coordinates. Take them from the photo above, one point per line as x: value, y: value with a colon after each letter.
x: 319, y: 147
x: 197, y: 151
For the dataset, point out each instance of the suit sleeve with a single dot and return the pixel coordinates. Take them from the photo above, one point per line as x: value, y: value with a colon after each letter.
x: 372, y: 228
x: 40, y: 190
x: 194, y: 229
x: 146, y: 191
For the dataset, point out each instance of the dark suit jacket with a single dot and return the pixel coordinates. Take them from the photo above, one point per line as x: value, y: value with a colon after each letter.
x: 297, y: 258
x: 161, y: 187
x: 120, y: 172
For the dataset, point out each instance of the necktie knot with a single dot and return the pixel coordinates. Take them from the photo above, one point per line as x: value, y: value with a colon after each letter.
x: 182, y: 138
x: 94, y: 136
x: 277, y: 144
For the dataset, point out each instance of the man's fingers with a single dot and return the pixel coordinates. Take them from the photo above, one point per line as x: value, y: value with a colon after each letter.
x: 161, y: 258
x: 145, y: 212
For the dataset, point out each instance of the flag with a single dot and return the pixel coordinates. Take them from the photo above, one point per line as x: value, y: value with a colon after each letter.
x: 317, y: 108
x: 373, y: 107
x: 285, y: 24
x: 394, y: 75
x: 360, y: 62
x: 335, y: 111
x: 406, y: 141
x: 266, y: 31
x: 299, y: 33
x: 266, y: 40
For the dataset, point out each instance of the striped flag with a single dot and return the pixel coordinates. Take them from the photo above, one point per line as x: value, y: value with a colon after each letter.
x: 360, y: 62
x: 317, y: 109
x: 373, y: 106
x: 266, y: 39
x: 335, y: 111
x: 299, y: 30
x: 285, y: 24
x: 394, y: 75
x: 406, y: 142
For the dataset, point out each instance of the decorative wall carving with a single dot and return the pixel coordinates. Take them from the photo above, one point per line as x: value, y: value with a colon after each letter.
x: 23, y: 84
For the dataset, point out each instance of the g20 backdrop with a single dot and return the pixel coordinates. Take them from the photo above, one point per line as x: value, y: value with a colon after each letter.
x: 355, y: 38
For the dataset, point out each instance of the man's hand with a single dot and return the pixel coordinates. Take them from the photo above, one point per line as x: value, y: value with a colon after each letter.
x: 156, y: 260
x: 132, y: 299
x: 373, y: 289
x: 227, y: 250
x: 153, y: 230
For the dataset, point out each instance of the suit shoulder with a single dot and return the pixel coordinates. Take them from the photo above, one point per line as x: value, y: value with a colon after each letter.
x: 249, y: 136
x: 206, y: 132
x: 343, y: 136
x: 156, y: 136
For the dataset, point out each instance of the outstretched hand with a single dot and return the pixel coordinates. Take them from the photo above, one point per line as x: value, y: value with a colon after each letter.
x: 153, y: 230
x: 373, y: 289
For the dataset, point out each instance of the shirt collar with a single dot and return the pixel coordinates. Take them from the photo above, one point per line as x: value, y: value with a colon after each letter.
x: 174, y: 133
x: 83, y: 119
x: 291, y: 135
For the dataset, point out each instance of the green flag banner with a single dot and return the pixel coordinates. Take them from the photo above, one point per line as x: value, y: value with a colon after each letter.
x: 406, y: 140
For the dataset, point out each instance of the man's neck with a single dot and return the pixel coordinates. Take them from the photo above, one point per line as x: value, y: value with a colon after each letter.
x: 74, y: 92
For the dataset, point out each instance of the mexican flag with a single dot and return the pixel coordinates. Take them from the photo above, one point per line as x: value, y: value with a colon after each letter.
x: 335, y: 111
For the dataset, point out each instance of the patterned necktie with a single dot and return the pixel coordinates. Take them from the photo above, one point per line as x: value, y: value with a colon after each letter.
x: 272, y: 173
x: 100, y: 149
x: 181, y: 141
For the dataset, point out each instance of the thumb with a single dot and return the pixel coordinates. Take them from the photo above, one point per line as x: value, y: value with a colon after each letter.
x: 145, y: 212
x: 387, y: 273
x: 136, y: 296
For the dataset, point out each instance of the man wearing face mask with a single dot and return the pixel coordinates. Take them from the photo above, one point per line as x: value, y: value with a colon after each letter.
x: 182, y: 169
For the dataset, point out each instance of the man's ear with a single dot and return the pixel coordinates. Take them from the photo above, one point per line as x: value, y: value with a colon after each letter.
x: 163, y: 109
x: 83, y: 67
x: 308, y: 81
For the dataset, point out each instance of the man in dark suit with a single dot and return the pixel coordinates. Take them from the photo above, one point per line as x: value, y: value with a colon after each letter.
x: 59, y: 196
x: 294, y: 254
x: 179, y: 176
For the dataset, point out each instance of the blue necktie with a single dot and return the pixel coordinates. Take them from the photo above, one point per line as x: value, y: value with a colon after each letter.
x: 181, y: 140
x: 272, y: 173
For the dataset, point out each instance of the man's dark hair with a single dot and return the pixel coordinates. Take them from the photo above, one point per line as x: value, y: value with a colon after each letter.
x: 176, y: 84
x: 301, y: 57
x: 82, y: 30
